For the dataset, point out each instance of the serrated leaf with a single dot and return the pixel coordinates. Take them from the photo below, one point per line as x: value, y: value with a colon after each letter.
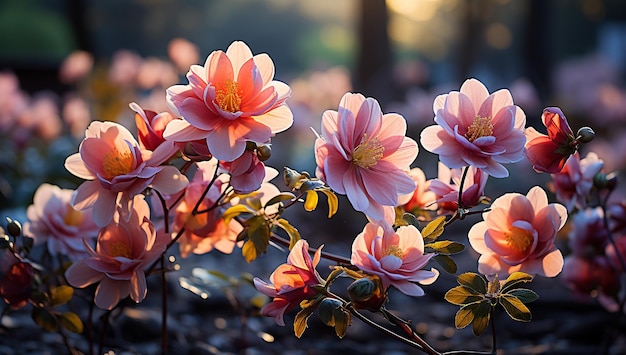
x: 434, y: 229
x: 249, y: 251
x: 300, y: 322
x: 461, y: 295
x: 71, y: 322
x: 445, y: 247
x: 515, y: 308
x: 516, y: 278
x: 235, y: 211
x: 446, y: 262
x: 292, y: 231
x: 44, y: 319
x: 473, y: 281
x: 61, y: 295
x: 310, y: 201
x: 525, y: 295
x: 283, y: 196
x: 333, y: 202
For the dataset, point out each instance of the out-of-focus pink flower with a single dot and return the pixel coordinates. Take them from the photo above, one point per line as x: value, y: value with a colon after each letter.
x: 548, y: 153
x: 231, y: 100
x: 617, y: 216
x: 117, y: 169
x: 365, y: 155
x: 16, y: 285
x: 150, y: 128
x: 396, y: 256
x: 76, y: 114
x: 422, y: 199
x: 588, y: 236
x: 52, y: 220
x: 76, y: 66
x: 573, y: 184
x: 475, y: 128
x: 124, y: 68
x: 616, y: 255
x: 518, y: 234
x: 589, y: 277
x: 42, y: 117
x: 246, y: 172
x: 183, y: 53
x: 123, y: 251
x: 291, y: 283
x: 155, y: 73
x: 204, y: 231
x: 446, y: 188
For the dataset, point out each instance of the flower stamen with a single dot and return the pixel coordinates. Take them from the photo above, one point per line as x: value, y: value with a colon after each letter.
x: 116, y: 163
x: 120, y: 249
x: 368, y: 153
x: 228, y: 97
x: 394, y: 250
x: 518, y: 238
x: 480, y: 127
x: 73, y: 217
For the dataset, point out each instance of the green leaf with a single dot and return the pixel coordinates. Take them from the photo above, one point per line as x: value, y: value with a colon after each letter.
x: 45, y: 319
x: 249, y: 251
x: 283, y: 196
x: 473, y: 281
x: 61, y: 295
x: 515, y: 308
x: 410, y: 219
x: 259, y: 233
x: 461, y: 295
x: 525, y: 295
x: 292, y: 231
x: 235, y: 211
x: 71, y: 322
x: 516, y: 278
x: 333, y: 202
x: 434, y: 229
x: 300, y: 322
x: 463, y: 317
x: 310, y: 201
x: 481, y: 312
x: 342, y: 321
x: 493, y: 287
x: 445, y: 247
x: 446, y: 262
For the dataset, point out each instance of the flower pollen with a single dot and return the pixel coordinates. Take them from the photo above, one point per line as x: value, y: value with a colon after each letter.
x: 480, y: 127
x: 116, y: 163
x: 228, y: 97
x: 368, y: 153
x: 394, y: 250
x: 120, y: 249
x: 518, y: 238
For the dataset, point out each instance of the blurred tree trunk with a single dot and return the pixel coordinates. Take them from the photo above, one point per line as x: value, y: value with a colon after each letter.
x: 374, y: 67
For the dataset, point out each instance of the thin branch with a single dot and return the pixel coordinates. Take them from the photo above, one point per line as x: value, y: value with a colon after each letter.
x: 329, y: 256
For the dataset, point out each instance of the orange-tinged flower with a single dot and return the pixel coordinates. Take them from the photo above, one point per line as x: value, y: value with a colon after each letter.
x: 292, y: 282
x: 230, y: 100
x: 397, y: 257
x: 518, y: 234
x: 365, y: 155
x: 475, y: 128
x: 548, y: 153
x: 150, y: 128
x: 422, y: 199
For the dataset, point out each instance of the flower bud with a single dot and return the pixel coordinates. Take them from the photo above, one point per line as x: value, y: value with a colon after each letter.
x: 291, y: 177
x: 263, y: 152
x: 585, y: 135
x: 14, y: 228
x: 250, y: 146
x: 327, y: 310
x: 367, y: 293
x: 605, y: 181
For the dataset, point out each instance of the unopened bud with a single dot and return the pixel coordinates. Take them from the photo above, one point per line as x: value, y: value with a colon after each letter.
x: 585, y: 135
x: 328, y: 309
x: 361, y: 290
x: 263, y: 152
x: 291, y: 177
x: 250, y: 146
x: 605, y: 181
x: 14, y: 228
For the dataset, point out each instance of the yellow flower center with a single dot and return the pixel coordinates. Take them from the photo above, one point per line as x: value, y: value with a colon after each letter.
x: 120, y: 249
x: 368, y: 153
x: 519, y: 239
x: 228, y: 97
x: 116, y: 163
x: 73, y: 217
x: 394, y: 250
x: 480, y: 127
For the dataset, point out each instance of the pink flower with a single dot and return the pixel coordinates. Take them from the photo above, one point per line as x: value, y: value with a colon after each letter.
x: 117, y: 169
x: 123, y: 251
x: 150, y: 127
x: 207, y: 230
x: 573, y: 184
x: 396, y: 256
x: 588, y: 236
x: 53, y: 221
x: 592, y: 276
x: 476, y: 128
x: 246, y: 172
x: 229, y: 101
x: 291, y: 283
x: 365, y: 155
x: 422, y: 199
x: 548, y: 153
x: 518, y: 234
x: 16, y: 285
x: 446, y: 188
